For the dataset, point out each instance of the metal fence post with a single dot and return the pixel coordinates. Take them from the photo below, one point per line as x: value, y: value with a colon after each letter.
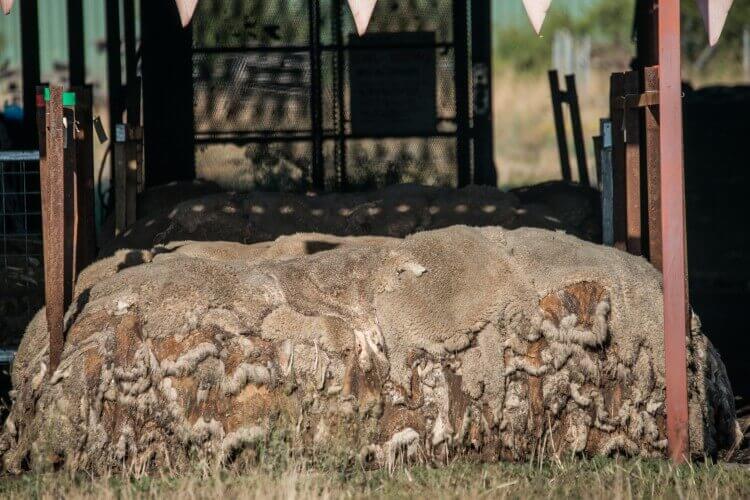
x: 676, y: 315
x: 56, y: 218
x: 607, y: 182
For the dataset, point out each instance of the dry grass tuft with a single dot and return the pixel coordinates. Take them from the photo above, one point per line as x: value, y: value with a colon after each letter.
x: 599, y: 478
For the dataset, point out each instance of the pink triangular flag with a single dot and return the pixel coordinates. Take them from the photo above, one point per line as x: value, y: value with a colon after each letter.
x: 7, y: 5
x: 714, y: 14
x: 362, y: 12
x: 186, y: 9
x: 537, y: 11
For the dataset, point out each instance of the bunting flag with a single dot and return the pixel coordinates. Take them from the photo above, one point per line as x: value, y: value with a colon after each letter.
x: 537, y: 11
x: 6, y: 5
x: 714, y: 14
x: 186, y: 9
x: 362, y: 12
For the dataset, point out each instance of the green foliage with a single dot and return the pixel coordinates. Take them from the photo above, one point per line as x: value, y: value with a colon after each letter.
x: 727, y: 54
x: 608, y: 23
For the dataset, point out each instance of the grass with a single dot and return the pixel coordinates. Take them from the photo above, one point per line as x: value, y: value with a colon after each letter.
x: 598, y: 478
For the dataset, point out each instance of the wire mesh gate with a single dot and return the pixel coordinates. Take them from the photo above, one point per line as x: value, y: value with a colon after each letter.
x: 276, y: 93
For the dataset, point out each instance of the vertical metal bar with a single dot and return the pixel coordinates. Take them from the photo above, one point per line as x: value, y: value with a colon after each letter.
x: 120, y: 178
x: 70, y: 193
x: 131, y: 64
x: 52, y: 181
x: 342, y: 174
x: 316, y: 114
x: 619, y: 204
x: 746, y: 52
x: 485, y: 172
x: 598, y: 159
x: 577, y: 128
x: 461, y: 67
x: 76, y: 43
x: 607, y: 180
x: 30, y: 71
x: 651, y: 169
x: 633, y: 167
x: 167, y: 66
x: 557, y: 113
x: 676, y: 326
x: 114, y: 79
x: 86, y: 245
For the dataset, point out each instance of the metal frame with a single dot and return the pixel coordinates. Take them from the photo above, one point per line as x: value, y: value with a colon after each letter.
x: 470, y: 140
x: 674, y: 244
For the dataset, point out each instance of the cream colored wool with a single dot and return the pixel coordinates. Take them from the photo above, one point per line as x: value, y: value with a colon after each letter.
x: 497, y: 343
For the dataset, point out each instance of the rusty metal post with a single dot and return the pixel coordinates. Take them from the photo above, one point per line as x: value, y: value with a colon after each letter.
x: 86, y: 234
x: 577, y: 128
x: 557, y: 113
x: 53, y: 193
x: 651, y: 168
x: 676, y: 326
x: 632, y: 140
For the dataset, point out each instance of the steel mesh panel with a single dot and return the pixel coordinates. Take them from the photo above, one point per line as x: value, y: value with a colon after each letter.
x: 376, y: 163
x: 21, y: 271
x: 254, y: 88
x: 271, y: 166
x: 250, y: 23
x: 251, y: 92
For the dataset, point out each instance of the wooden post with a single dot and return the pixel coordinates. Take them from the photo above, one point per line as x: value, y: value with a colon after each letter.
x: 619, y: 203
x: 120, y: 178
x: 607, y: 182
x: 676, y: 314
x: 651, y: 168
x: 56, y: 221
x: 557, y: 113
x: 632, y: 141
x: 575, y: 122
x: 86, y: 235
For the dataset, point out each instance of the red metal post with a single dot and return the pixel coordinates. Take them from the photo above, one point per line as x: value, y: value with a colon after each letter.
x: 673, y: 228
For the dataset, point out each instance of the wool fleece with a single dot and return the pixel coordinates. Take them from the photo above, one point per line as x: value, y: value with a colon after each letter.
x: 500, y: 344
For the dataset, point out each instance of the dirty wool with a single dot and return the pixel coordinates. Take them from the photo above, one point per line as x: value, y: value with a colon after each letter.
x: 500, y: 344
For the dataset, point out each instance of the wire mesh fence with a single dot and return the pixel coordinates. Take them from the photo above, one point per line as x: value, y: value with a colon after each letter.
x: 21, y: 271
x: 256, y: 85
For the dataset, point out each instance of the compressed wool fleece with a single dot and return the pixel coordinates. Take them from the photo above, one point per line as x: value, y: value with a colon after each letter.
x: 501, y: 344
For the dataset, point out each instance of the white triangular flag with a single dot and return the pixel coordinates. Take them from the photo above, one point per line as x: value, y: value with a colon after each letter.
x: 186, y: 9
x: 714, y: 14
x: 362, y: 12
x: 7, y: 5
x: 537, y: 11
